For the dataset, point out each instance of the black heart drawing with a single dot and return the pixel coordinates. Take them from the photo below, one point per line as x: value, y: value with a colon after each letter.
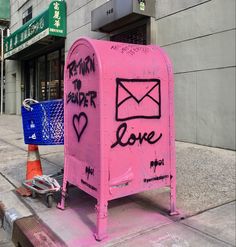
x: 78, y: 118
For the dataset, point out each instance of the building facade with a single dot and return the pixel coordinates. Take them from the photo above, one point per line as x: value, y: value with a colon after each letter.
x: 4, y: 22
x: 198, y: 35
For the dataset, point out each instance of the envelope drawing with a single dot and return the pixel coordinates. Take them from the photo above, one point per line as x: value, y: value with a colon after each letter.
x: 137, y: 98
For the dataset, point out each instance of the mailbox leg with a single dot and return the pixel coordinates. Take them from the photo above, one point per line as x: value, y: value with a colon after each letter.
x: 173, y: 210
x: 61, y: 204
x: 101, y: 210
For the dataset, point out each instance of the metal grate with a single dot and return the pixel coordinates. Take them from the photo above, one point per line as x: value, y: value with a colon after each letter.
x: 136, y: 35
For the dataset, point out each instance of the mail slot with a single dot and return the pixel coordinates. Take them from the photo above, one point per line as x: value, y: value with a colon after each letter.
x: 119, y: 122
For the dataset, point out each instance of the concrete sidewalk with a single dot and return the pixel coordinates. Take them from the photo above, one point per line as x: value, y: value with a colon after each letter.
x: 205, y: 199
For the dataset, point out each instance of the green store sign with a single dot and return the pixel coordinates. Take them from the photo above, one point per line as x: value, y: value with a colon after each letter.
x: 51, y: 22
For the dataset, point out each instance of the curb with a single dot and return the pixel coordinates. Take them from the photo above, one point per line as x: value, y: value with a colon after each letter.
x: 22, y: 226
x: 32, y: 232
x: 11, y: 209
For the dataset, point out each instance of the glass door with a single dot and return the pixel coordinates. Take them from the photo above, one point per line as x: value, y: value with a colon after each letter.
x: 30, y: 82
x: 53, y: 85
x: 41, y: 78
x: 49, y: 71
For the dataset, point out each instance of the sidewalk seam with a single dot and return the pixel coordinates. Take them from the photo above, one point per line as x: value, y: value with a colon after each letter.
x: 207, y: 234
x: 139, y: 233
x: 42, y: 158
x: 9, y: 181
x: 4, y: 141
x: 203, y: 211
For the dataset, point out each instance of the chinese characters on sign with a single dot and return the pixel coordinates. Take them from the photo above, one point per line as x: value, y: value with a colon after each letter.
x: 56, y: 16
x: 30, y: 31
x: 57, y: 20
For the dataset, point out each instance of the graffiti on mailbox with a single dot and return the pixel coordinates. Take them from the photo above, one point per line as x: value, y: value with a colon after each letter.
x: 82, y: 66
x: 77, y: 70
x: 89, y: 171
x: 88, y: 185
x: 155, y: 163
x: 80, y: 123
x: 137, y: 98
x: 147, y: 180
x: 80, y: 98
x: 123, y: 140
x: 130, y: 49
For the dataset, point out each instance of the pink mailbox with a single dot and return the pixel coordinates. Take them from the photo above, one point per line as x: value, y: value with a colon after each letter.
x: 119, y: 122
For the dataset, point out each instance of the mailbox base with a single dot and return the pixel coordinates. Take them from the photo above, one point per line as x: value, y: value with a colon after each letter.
x: 174, y: 213
x: 100, y: 236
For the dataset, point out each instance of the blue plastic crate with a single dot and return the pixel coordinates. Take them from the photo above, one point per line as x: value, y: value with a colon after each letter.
x: 43, y: 123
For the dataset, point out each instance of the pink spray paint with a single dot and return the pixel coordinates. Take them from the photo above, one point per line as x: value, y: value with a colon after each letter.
x: 119, y: 122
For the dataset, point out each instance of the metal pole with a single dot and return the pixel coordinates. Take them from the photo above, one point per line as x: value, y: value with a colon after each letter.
x: 2, y: 58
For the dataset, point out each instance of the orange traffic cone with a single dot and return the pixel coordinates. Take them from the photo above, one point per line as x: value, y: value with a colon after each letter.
x: 34, y: 167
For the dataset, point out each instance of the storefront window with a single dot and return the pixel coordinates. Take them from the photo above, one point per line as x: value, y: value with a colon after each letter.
x: 49, y: 72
